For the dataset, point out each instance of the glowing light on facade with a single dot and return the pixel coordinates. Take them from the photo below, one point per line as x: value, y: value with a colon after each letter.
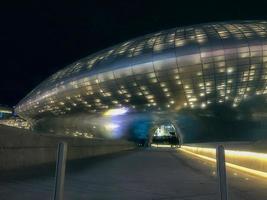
x: 111, y: 126
x: 115, y: 112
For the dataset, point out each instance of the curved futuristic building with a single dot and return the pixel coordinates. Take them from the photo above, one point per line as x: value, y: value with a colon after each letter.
x: 156, y: 75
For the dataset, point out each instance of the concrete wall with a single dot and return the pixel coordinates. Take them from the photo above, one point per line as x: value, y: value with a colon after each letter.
x: 21, y: 148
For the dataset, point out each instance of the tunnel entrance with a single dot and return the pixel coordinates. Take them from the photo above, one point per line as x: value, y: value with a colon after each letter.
x: 164, y: 134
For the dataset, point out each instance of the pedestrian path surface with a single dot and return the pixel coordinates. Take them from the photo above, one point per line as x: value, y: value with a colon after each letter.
x: 141, y: 174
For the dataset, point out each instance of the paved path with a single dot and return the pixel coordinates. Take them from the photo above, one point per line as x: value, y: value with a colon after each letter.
x: 143, y: 174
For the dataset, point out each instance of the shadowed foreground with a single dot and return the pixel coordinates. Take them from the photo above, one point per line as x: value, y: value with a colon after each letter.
x: 144, y: 174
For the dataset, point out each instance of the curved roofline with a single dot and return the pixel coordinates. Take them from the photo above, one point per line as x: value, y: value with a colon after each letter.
x: 96, y: 68
x: 144, y: 36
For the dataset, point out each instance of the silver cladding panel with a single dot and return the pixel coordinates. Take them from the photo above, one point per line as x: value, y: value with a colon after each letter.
x: 183, y: 67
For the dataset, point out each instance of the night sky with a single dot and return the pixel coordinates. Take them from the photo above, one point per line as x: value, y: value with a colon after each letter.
x: 37, y: 38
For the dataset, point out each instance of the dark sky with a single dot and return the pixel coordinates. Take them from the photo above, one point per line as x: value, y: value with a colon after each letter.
x: 37, y: 38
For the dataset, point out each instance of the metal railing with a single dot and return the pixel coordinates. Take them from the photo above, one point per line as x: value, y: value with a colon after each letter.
x: 221, y: 172
x: 60, y: 171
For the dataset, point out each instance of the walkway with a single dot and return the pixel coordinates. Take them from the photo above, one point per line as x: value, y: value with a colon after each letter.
x: 142, y: 174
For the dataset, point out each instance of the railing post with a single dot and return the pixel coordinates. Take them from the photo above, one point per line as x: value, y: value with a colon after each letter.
x: 60, y: 170
x: 221, y: 172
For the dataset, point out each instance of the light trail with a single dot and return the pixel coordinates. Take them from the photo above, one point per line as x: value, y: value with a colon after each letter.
x: 161, y: 145
x: 6, y: 111
x: 229, y: 153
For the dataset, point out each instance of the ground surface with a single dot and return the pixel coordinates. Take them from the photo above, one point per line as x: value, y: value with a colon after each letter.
x: 142, y: 174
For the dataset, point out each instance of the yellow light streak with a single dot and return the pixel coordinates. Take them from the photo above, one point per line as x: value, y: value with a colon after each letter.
x: 228, y: 153
x: 6, y: 111
x: 117, y: 111
x: 160, y: 145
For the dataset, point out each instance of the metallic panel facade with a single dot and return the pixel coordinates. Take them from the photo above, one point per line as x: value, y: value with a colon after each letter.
x: 191, y: 66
